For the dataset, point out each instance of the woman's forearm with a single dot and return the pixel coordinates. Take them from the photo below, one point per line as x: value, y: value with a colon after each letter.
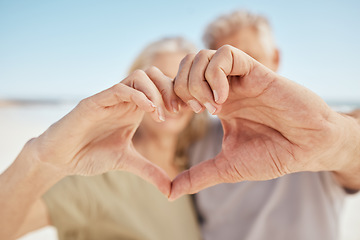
x: 25, y: 181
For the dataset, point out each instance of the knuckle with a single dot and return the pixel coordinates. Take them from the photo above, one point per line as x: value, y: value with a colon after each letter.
x: 195, y: 89
x: 117, y: 88
x: 83, y: 102
x: 86, y: 103
x: 187, y: 58
x: 210, y: 73
x: 137, y: 95
x: 202, y: 53
x: 138, y: 73
x: 225, y: 48
x: 179, y: 88
x: 152, y: 70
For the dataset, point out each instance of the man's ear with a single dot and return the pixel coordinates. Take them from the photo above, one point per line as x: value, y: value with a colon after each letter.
x: 276, y: 60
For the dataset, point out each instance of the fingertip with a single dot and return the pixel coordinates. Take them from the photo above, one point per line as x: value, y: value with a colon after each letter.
x: 174, y: 197
x: 166, y: 190
x: 148, y: 107
x: 174, y: 194
x: 216, y: 96
x: 137, y: 164
x: 221, y: 97
x: 179, y: 186
x: 162, y: 182
x: 210, y: 107
x: 218, y: 110
x: 175, y: 106
x: 170, y: 197
x: 164, y: 186
x: 152, y: 104
x: 157, y: 113
x: 142, y: 101
x: 195, y: 106
x: 161, y: 114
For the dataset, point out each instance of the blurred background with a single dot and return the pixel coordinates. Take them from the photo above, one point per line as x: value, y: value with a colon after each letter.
x: 53, y: 53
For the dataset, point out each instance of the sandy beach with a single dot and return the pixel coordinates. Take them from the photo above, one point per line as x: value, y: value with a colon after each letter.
x: 20, y: 122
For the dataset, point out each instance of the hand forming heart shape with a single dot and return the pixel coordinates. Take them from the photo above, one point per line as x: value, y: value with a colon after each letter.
x: 271, y: 125
x: 96, y: 136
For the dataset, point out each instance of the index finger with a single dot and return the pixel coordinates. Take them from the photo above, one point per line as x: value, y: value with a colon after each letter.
x: 117, y: 94
x: 227, y: 61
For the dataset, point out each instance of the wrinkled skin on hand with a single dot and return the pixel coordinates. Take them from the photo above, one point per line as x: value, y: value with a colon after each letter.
x: 96, y: 136
x: 271, y: 124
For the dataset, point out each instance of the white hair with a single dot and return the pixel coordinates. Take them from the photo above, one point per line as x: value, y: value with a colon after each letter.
x: 226, y: 25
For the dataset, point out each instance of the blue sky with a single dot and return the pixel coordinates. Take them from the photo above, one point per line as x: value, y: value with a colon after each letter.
x: 74, y: 48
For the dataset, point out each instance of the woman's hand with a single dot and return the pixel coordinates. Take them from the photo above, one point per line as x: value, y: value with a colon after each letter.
x: 95, y: 137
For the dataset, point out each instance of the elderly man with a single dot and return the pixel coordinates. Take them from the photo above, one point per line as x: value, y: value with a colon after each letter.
x: 303, y: 205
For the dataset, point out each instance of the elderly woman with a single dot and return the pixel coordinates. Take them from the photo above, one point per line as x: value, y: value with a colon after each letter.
x: 120, y: 205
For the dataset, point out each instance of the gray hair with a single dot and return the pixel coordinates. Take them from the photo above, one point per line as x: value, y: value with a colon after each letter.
x: 227, y: 24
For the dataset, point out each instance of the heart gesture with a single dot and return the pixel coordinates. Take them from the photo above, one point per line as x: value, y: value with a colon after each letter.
x: 270, y: 123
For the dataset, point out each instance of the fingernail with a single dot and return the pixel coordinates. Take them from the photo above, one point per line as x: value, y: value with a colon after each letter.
x: 175, y: 106
x: 195, y: 105
x: 216, y: 96
x: 152, y: 104
x: 161, y: 114
x: 210, y: 107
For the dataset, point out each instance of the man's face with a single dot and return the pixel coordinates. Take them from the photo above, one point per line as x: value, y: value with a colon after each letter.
x: 248, y: 40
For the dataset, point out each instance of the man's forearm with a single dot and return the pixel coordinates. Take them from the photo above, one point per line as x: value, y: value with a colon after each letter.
x: 21, y: 185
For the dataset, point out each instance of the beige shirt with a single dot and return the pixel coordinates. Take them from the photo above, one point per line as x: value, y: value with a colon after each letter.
x: 118, y: 205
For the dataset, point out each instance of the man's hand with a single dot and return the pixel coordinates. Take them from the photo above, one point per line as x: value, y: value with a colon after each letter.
x: 272, y: 126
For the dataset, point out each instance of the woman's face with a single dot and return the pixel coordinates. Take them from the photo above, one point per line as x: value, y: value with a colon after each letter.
x: 174, y: 123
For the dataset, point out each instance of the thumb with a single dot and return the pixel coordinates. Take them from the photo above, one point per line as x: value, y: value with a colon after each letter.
x: 140, y: 166
x: 201, y: 176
